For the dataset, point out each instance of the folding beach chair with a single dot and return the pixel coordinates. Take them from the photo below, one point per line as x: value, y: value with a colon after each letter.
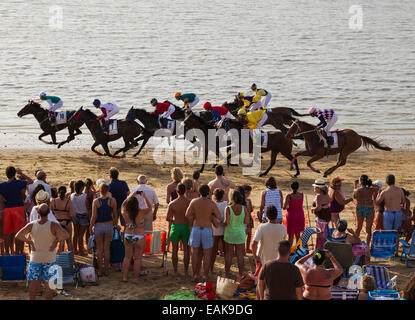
x: 408, y: 250
x: 383, y: 295
x: 384, y: 245
x: 345, y: 294
x: 381, y: 276
x: 306, y: 235
x: 156, y: 243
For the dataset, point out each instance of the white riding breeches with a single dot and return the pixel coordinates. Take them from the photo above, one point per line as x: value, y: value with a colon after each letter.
x: 226, y: 116
x: 266, y: 100
x: 169, y: 112
x: 193, y: 103
x: 255, y: 106
x: 54, y: 107
x: 115, y: 109
x: 330, y: 124
x: 262, y: 121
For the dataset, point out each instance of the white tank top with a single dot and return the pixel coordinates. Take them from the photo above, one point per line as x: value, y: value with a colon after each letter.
x: 273, y: 198
x: 42, y: 239
x: 78, y: 203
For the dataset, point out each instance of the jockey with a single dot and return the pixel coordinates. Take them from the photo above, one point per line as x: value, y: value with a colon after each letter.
x: 108, y: 110
x: 54, y: 104
x: 219, y: 113
x: 327, y: 119
x: 257, y: 101
x: 164, y: 110
x: 246, y: 100
x: 256, y: 119
x: 189, y: 99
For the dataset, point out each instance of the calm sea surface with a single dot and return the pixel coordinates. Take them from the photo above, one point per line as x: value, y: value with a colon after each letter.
x: 127, y: 52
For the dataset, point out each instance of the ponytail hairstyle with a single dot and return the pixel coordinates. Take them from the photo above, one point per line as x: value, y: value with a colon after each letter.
x: 241, y: 190
x: 365, y: 181
x: 294, y: 186
x: 62, y: 192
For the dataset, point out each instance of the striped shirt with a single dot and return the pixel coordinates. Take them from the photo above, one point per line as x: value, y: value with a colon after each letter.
x: 273, y: 198
x: 324, y: 116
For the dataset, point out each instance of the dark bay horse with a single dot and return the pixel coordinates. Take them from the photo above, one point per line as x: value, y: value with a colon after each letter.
x: 128, y: 130
x: 348, y: 142
x: 277, y: 143
x: 41, y: 115
x: 151, y: 124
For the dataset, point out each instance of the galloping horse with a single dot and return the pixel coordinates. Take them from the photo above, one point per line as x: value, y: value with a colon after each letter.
x: 277, y: 143
x: 42, y: 117
x: 128, y: 130
x: 151, y: 124
x: 348, y: 142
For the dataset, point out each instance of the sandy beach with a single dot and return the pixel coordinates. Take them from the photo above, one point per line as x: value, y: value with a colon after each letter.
x: 63, y: 166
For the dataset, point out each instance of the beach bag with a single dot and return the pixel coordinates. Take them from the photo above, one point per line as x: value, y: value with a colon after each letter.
x: 246, y: 282
x: 226, y: 288
x: 91, y: 244
x: 117, y: 249
x: 204, y: 290
x: 87, y: 274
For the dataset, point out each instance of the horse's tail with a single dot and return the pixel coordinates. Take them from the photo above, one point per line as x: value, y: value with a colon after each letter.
x: 371, y: 142
x: 295, y: 113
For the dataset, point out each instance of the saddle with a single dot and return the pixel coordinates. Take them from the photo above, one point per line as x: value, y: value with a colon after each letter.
x: 57, y: 118
x: 328, y: 140
x: 109, y: 127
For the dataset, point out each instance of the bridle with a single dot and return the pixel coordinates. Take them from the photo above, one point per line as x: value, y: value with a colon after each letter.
x: 299, y: 133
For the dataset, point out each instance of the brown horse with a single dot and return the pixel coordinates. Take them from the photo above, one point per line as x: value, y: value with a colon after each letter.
x: 277, y: 143
x: 127, y: 129
x: 348, y: 142
x: 42, y: 117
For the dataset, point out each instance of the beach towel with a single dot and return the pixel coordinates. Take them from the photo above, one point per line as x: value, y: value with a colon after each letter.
x: 245, y: 294
x: 181, y: 295
x: 156, y: 242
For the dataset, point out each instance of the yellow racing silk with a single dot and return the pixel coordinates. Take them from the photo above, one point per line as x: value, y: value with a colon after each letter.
x: 253, y: 118
x: 258, y: 95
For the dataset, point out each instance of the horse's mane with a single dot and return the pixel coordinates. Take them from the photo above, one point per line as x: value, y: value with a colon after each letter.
x: 202, y: 121
x: 90, y: 113
x: 143, y: 111
x: 236, y: 123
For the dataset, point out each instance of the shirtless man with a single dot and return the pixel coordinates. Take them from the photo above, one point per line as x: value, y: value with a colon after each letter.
x: 221, y: 183
x: 201, y: 214
x: 394, y: 202
x: 180, y: 228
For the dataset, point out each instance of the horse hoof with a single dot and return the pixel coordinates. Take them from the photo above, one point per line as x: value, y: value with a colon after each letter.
x: 325, y: 175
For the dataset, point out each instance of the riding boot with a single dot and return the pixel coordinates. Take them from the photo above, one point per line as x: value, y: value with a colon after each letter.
x: 330, y: 142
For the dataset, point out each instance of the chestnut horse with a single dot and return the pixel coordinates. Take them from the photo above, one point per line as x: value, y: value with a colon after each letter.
x: 348, y: 142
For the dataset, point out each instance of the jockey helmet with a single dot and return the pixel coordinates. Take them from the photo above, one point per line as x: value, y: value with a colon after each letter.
x: 177, y: 94
x: 207, y: 105
x: 153, y: 102
x: 42, y: 94
x: 242, y: 112
x: 312, y: 110
x: 253, y: 86
x: 96, y: 103
x: 240, y: 95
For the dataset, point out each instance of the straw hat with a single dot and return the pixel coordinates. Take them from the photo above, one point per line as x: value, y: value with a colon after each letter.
x: 319, y: 183
x: 42, y: 197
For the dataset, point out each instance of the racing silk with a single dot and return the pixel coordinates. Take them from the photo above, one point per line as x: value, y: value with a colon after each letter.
x: 218, y: 113
x: 259, y: 93
x: 253, y: 118
x: 324, y: 116
x: 52, y: 99
x: 106, y: 109
x: 188, y: 98
x: 247, y: 101
x: 161, y: 108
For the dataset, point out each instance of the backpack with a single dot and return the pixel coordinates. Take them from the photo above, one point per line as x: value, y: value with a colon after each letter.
x: 117, y: 249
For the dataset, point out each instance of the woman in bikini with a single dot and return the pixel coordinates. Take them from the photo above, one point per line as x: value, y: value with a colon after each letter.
x: 64, y: 213
x: 134, y: 233
x: 176, y: 176
x: 365, y: 197
x: 318, y: 280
